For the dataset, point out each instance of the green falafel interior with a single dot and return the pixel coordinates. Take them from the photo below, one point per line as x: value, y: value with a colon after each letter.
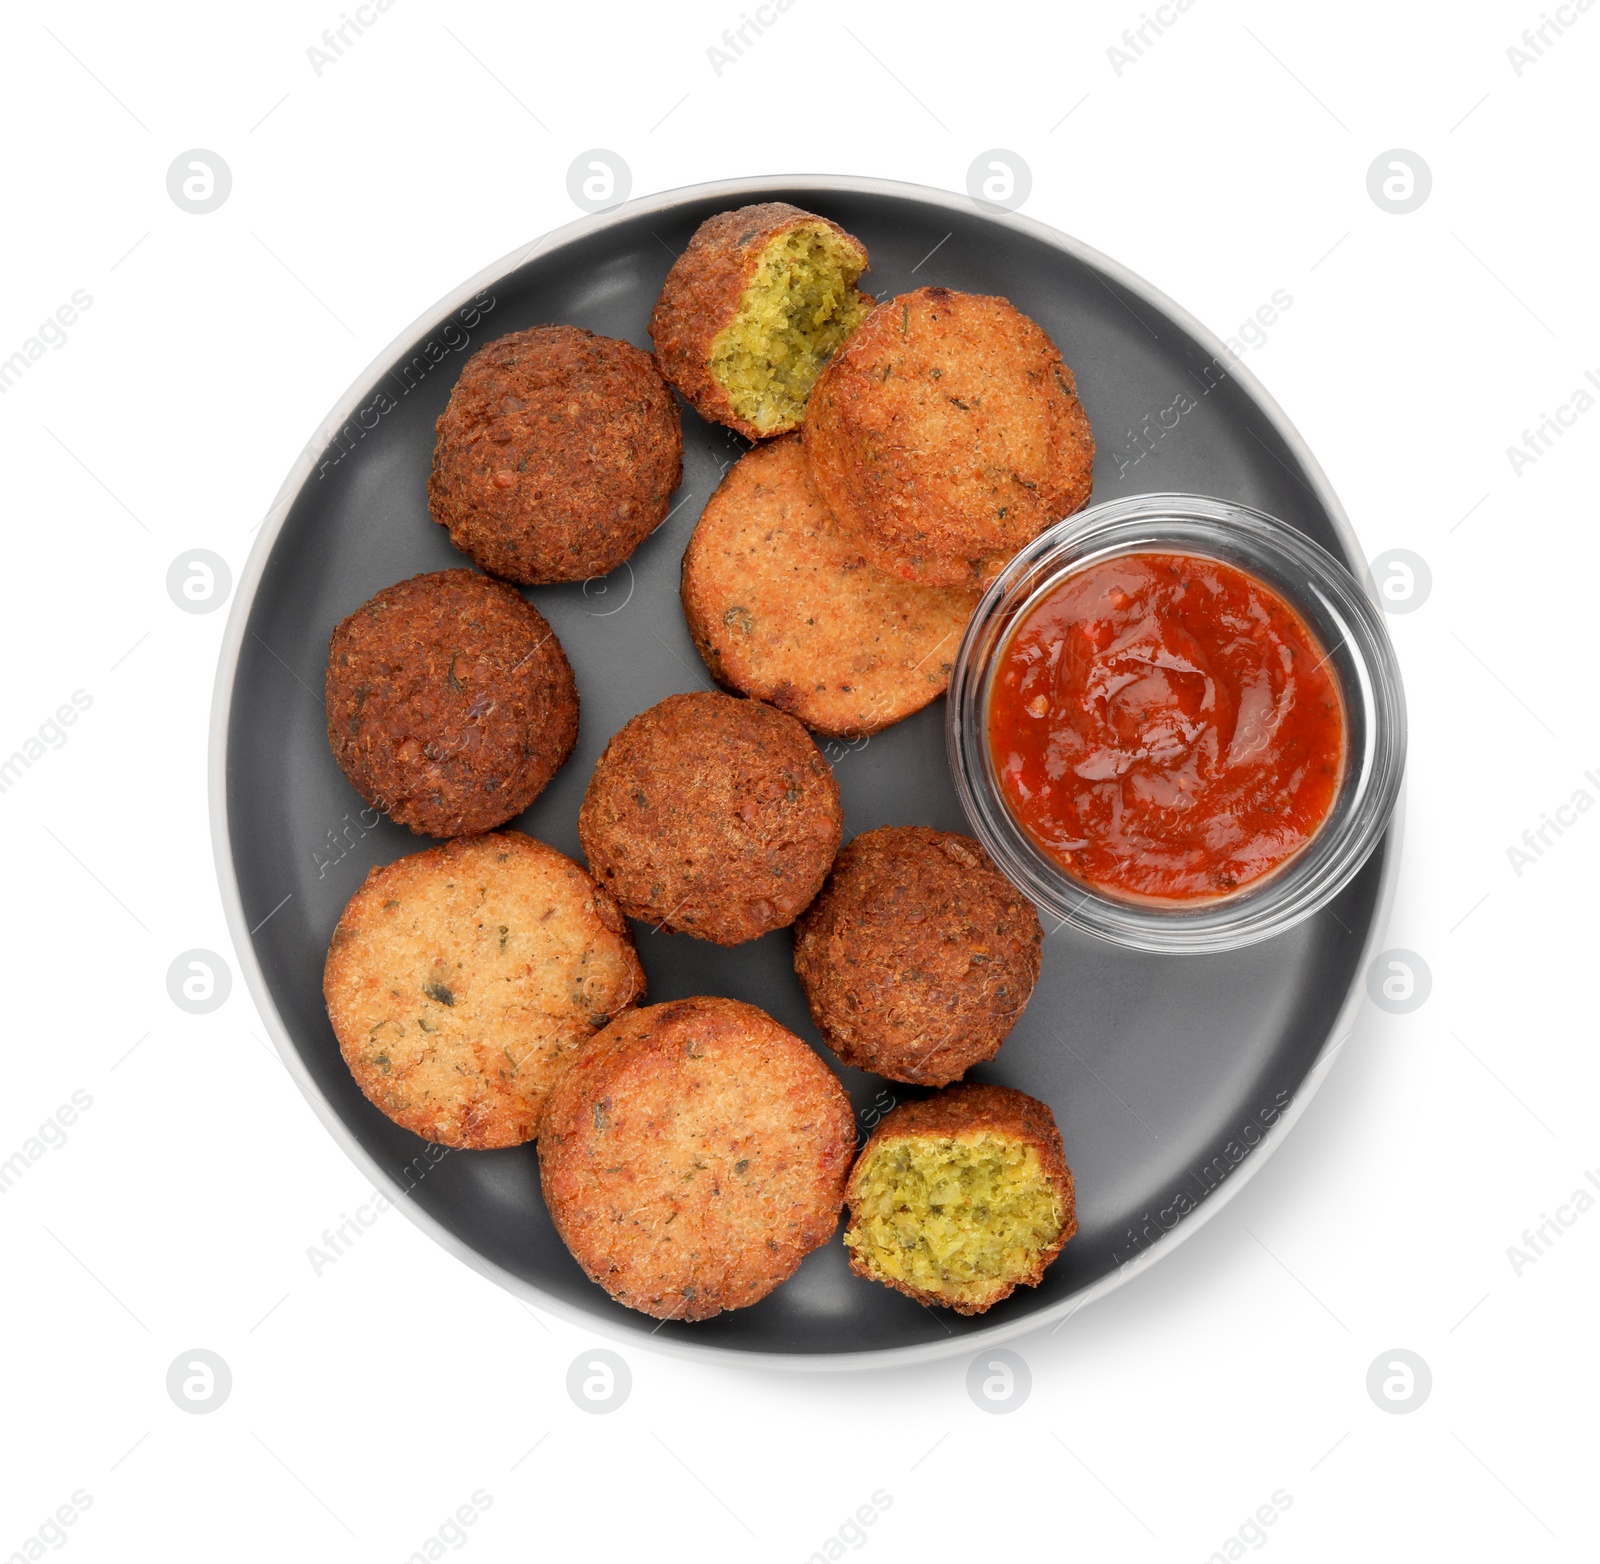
x: 796, y: 312
x: 956, y: 1216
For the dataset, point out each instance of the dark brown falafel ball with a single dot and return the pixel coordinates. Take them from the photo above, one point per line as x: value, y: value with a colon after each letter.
x: 557, y: 455
x: 946, y: 434
x: 961, y: 1198
x: 450, y: 702
x: 919, y: 955
x: 712, y: 816
x: 754, y: 307
x: 693, y: 1154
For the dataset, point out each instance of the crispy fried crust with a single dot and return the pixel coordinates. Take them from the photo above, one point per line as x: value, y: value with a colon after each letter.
x: 946, y: 434
x: 700, y: 298
x: 784, y: 608
x: 462, y: 979
x: 450, y: 702
x: 556, y: 456
x: 693, y: 1155
x: 919, y: 955
x: 961, y: 1112
x: 712, y: 816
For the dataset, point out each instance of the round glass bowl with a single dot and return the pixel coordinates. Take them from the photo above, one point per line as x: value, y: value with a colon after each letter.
x: 1341, y: 615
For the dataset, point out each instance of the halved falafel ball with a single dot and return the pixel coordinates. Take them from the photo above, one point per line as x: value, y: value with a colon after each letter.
x: 450, y: 702
x: 693, y: 1155
x: 946, y: 434
x: 784, y: 607
x: 461, y: 980
x: 712, y: 816
x: 557, y: 455
x: 961, y: 1198
x: 752, y: 310
x: 919, y: 956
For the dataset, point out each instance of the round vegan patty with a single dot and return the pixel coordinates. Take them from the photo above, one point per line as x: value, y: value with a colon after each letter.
x: 946, y: 434
x: 450, y: 702
x: 693, y: 1154
x: 919, y: 955
x: 461, y: 980
x: 760, y: 299
x: 961, y: 1198
x: 557, y: 455
x: 712, y: 816
x: 784, y: 607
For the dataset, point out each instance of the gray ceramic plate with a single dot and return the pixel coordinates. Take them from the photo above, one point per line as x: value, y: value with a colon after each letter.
x: 1171, y: 1077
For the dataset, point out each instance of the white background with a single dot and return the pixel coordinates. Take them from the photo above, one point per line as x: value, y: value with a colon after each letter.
x: 1229, y: 161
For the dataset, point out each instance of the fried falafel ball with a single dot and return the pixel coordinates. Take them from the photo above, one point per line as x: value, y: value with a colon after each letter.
x: 961, y: 1198
x: 556, y: 456
x: 752, y: 310
x: 461, y: 980
x: 946, y: 434
x: 450, y: 702
x: 784, y: 607
x: 712, y: 816
x: 919, y: 956
x: 693, y: 1155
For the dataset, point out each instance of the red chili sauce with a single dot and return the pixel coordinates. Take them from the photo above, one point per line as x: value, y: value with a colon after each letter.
x: 1166, y: 728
